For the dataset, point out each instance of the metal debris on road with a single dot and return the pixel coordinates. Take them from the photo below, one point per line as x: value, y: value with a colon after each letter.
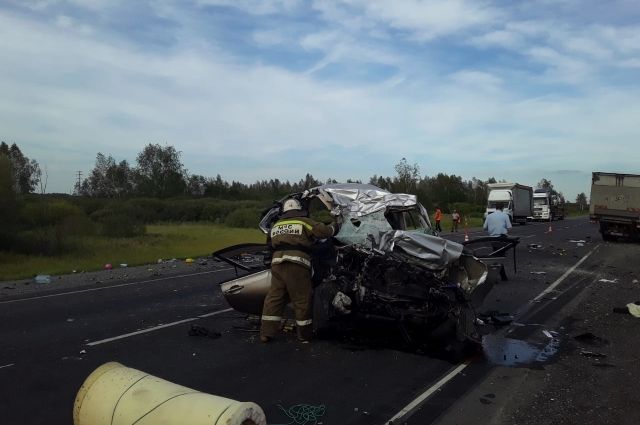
x: 197, y: 330
x: 537, y: 272
x: 592, y: 354
x: 535, y: 246
x: 608, y: 280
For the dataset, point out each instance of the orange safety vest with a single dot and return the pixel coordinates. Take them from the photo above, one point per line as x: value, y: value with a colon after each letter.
x: 438, y: 214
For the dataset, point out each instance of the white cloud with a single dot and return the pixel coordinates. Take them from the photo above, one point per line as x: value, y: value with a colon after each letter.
x: 255, y: 7
x: 422, y: 20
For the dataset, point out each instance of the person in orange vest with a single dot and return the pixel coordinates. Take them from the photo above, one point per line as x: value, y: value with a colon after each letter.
x: 438, y: 218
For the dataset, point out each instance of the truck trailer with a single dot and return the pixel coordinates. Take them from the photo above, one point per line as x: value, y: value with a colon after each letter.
x: 615, y: 204
x: 517, y: 200
x: 547, y: 206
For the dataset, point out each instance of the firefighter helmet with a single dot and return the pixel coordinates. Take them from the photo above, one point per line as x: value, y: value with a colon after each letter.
x: 291, y: 204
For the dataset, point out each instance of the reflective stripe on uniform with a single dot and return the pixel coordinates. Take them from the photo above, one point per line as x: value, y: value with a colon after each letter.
x: 271, y: 318
x: 292, y: 258
x: 304, y: 322
x: 306, y: 225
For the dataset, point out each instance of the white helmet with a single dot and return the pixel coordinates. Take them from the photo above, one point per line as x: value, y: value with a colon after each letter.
x: 291, y: 204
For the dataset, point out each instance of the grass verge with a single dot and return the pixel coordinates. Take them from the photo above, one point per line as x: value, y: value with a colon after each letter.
x: 161, y: 241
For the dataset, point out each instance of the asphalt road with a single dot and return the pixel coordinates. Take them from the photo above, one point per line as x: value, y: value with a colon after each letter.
x: 50, y: 342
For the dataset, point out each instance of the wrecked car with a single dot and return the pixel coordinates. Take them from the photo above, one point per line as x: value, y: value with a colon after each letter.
x: 385, y: 263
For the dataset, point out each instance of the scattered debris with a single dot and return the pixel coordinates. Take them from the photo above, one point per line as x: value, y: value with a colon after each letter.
x: 42, y: 278
x: 634, y: 281
x: 189, y: 260
x: 197, y: 330
x: 579, y: 244
x: 202, y: 262
x: 591, y: 339
x: 537, y: 272
x: 592, y: 354
x: 70, y: 319
x: 305, y: 414
x: 580, y: 241
x: 634, y: 309
x: 535, y: 246
x: 608, y: 280
x: 495, y: 317
x: 124, y: 265
x: 83, y: 351
x: 547, y: 333
x: 108, y: 266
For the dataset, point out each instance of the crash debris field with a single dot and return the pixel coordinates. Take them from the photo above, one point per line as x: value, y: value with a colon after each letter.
x: 554, y: 344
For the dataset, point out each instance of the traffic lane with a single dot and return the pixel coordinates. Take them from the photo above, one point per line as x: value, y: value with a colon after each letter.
x: 526, y: 231
x: 358, y: 386
x: 33, y: 327
x: 542, y: 257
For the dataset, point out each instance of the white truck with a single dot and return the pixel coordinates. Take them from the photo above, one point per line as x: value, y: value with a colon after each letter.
x: 615, y: 204
x: 547, y: 206
x: 516, y: 199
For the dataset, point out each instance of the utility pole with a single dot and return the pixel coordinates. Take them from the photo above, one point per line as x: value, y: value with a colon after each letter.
x: 79, y: 173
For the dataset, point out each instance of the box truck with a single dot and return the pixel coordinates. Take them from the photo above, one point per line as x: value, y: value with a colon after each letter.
x: 516, y: 199
x: 615, y: 204
x: 547, y: 206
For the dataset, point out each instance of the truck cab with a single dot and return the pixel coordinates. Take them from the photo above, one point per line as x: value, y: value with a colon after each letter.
x: 547, y: 206
x: 504, y: 197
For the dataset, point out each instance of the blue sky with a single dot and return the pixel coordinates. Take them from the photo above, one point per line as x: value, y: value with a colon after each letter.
x: 339, y: 89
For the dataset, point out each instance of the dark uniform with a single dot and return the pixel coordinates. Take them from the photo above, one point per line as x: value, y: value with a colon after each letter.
x: 291, y: 238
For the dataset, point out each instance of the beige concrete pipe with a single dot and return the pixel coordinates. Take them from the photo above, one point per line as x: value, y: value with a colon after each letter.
x: 118, y: 395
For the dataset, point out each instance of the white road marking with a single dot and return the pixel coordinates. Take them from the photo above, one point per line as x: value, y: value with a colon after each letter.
x: 102, y: 288
x: 435, y: 387
x: 551, y: 287
x: 7, y: 365
x: 456, y: 370
x: 155, y: 328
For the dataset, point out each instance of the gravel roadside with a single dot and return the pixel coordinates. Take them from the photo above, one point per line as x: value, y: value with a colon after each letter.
x: 118, y: 274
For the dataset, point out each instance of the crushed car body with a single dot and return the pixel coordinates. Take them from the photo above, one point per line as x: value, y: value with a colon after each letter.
x: 385, y: 263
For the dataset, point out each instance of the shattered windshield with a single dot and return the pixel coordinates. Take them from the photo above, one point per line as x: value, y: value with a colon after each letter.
x: 356, y: 230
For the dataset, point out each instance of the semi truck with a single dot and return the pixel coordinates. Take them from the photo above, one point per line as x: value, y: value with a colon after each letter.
x: 547, y: 206
x: 615, y: 204
x: 516, y: 199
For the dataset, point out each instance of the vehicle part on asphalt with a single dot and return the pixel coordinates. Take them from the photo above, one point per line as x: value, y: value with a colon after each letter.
x: 114, y: 394
x: 592, y: 354
x: 197, y: 330
x: 42, y: 278
x: 608, y: 280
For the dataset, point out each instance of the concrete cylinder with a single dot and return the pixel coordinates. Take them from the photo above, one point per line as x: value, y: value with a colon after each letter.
x: 117, y: 395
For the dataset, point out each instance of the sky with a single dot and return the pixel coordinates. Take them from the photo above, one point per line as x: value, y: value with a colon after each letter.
x: 260, y: 89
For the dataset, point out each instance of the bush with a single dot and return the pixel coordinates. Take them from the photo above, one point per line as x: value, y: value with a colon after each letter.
x: 118, y: 223
x: 51, y: 240
x: 44, y: 213
x: 243, y: 217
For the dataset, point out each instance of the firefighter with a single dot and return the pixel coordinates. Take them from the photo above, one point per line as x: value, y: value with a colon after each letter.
x: 291, y: 239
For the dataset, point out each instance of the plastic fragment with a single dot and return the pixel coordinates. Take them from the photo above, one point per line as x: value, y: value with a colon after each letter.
x: 42, y: 278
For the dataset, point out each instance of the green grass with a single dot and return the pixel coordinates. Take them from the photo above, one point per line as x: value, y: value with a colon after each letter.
x: 161, y: 241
